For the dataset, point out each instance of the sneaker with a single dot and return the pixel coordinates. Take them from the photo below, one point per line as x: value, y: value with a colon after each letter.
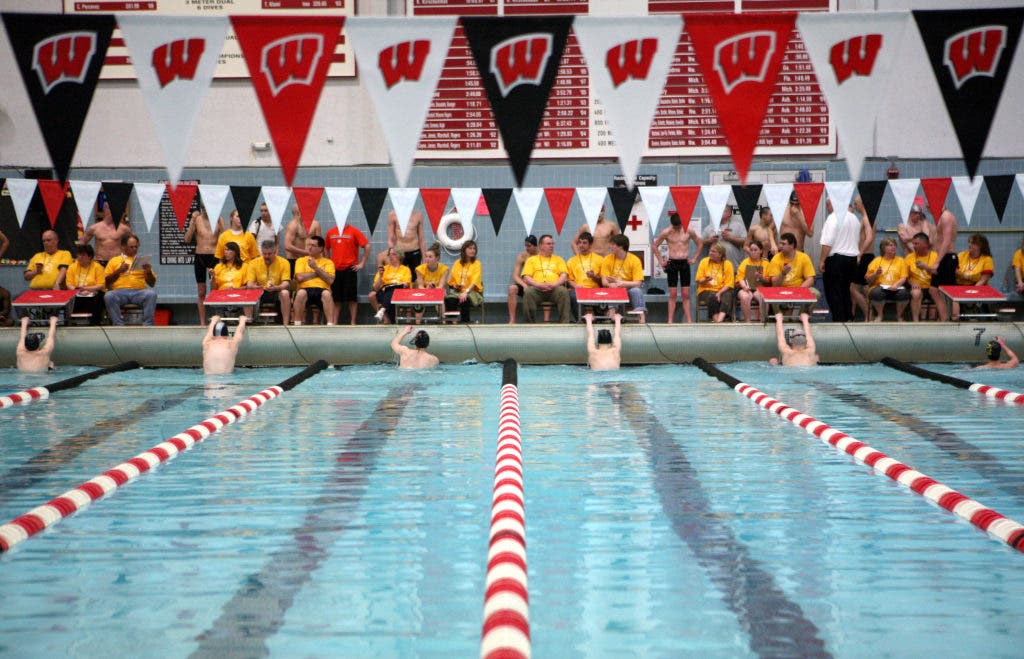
x: 380, y: 315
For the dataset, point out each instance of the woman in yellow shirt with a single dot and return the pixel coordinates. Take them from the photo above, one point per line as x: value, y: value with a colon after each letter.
x: 390, y: 275
x: 749, y: 276
x: 886, y: 277
x: 975, y: 266
x: 431, y: 273
x: 465, y: 284
x: 85, y: 276
x: 715, y: 283
x: 230, y: 272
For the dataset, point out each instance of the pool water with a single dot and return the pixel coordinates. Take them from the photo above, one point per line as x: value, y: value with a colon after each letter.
x: 667, y: 515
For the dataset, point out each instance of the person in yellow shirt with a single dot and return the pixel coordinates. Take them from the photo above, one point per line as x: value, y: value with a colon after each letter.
x: 886, y: 276
x: 791, y: 267
x: 749, y: 276
x: 1018, y: 270
x: 128, y: 282
x: 271, y: 273
x: 245, y: 241
x: 430, y: 274
x: 621, y: 269
x: 545, y: 275
x: 314, y: 274
x: 975, y: 266
x: 715, y: 282
x: 922, y: 263
x: 85, y: 277
x: 391, y: 274
x: 584, y: 268
x: 46, y: 270
x: 466, y: 282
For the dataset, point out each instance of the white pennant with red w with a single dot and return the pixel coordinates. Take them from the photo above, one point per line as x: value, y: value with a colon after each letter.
x: 629, y: 60
x: 852, y: 54
x: 174, y: 60
x: 400, y: 62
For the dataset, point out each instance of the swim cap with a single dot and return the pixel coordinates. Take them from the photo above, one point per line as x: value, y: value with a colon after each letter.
x: 421, y: 339
x: 32, y: 341
x: 604, y: 337
x: 993, y: 350
x: 220, y: 329
x: 797, y: 338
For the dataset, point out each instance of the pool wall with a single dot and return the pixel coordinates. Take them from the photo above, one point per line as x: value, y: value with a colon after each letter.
x: 527, y: 344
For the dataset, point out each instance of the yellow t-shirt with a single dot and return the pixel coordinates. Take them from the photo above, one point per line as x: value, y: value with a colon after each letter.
x: 246, y: 244
x: 467, y: 275
x: 544, y: 269
x: 893, y: 270
x: 52, y: 264
x: 916, y: 275
x: 432, y: 279
x: 79, y: 277
x: 392, y: 276
x: 135, y: 278
x: 721, y: 275
x: 741, y: 272
x: 578, y: 267
x: 1018, y: 260
x: 627, y: 269
x: 226, y: 275
x: 801, y: 268
x: 969, y: 270
x: 302, y: 266
x: 257, y: 272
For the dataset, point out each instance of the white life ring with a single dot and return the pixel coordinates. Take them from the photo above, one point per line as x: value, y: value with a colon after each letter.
x: 453, y: 245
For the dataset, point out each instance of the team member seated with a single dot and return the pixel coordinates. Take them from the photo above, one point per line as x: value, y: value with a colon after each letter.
x: 922, y: 264
x: 545, y: 275
x: 517, y: 288
x: 270, y: 273
x: 32, y: 357
x: 391, y: 275
x: 230, y: 273
x: 799, y: 350
x: 886, y: 276
x: 46, y: 269
x: 624, y: 270
x: 605, y: 355
x: 715, y: 282
x: 749, y: 276
x: 994, y: 351
x: 1018, y: 271
x: 975, y: 266
x: 314, y: 274
x: 791, y: 267
x: 220, y: 348
x: 584, y: 268
x: 431, y: 273
x: 410, y: 357
x: 128, y: 283
x: 85, y: 277
x: 465, y: 283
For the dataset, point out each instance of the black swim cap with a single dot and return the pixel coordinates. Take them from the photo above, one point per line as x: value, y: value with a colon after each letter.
x: 32, y: 341
x: 993, y: 350
x: 421, y: 339
x: 604, y: 337
x: 220, y: 329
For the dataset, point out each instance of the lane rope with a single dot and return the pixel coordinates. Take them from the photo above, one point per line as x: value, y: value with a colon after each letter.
x: 506, y: 627
x: 996, y: 524
x: 22, y: 528
x: 977, y: 387
x: 42, y: 393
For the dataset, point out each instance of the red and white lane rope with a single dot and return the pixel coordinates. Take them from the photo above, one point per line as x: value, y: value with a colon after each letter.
x: 34, y: 521
x: 506, y: 628
x: 996, y: 524
x: 996, y: 392
x: 22, y: 397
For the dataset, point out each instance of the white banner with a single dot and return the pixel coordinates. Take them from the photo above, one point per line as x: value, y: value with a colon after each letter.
x: 340, y: 200
x: 654, y: 199
x: 149, y: 196
x: 591, y: 201
x: 967, y: 192
x: 715, y: 198
x: 213, y: 197
x: 21, y: 190
x: 777, y: 195
x: 403, y: 200
x: 903, y: 191
x: 840, y: 193
x: 276, y: 198
x: 85, y: 193
x: 465, y: 200
x: 528, y: 202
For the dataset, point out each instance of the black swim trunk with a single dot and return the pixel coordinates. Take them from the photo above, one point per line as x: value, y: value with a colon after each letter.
x: 314, y: 297
x: 270, y: 298
x: 291, y: 262
x: 678, y: 273
x: 519, y: 290
x: 862, y: 269
x: 412, y: 259
x: 201, y: 263
x: 343, y: 288
x: 946, y: 274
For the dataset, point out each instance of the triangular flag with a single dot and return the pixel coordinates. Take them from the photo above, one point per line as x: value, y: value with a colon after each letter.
x: 181, y: 201
x: 776, y: 195
x: 497, y: 203
x: 118, y: 193
x: 715, y: 198
x: 840, y: 193
x: 935, y: 191
x: 853, y: 54
x: 52, y: 193
x: 628, y: 60
x: 685, y: 199
x: 746, y: 199
x: 149, y: 196
x: 340, y: 200
x: 276, y: 198
x: 517, y: 58
x: 654, y: 197
x: 871, y: 193
x: 1020, y: 183
x: 967, y: 192
x: 174, y: 58
x: 400, y: 61
x: 288, y: 57
x: 592, y: 203
x: 85, y: 193
x: 60, y: 56
x: 372, y: 200
x: 999, y: 191
x: 465, y: 200
x: 245, y: 197
x: 622, y: 203
x: 308, y: 201
x: 903, y: 191
x: 739, y: 56
x: 434, y: 202
x: 213, y: 198
x: 559, y: 200
x: 809, y: 195
x: 970, y: 51
x: 22, y: 190
x: 528, y: 202
x: 403, y: 200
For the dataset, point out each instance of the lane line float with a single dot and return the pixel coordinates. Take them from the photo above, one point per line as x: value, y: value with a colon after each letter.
x: 42, y: 393
x: 977, y: 387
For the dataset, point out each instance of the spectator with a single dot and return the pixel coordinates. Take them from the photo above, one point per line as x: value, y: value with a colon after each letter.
x: 749, y: 276
x: 715, y: 281
x: 393, y: 274
x: 886, y: 276
x: 230, y: 272
x: 343, y: 247
x: 624, y: 270
x: 975, y: 266
x: 128, y: 282
x: 517, y: 287
x: 584, y: 268
x: 270, y: 273
x: 544, y: 276
x: 791, y: 267
x: 246, y: 241
x: 465, y: 283
x: 85, y: 277
x: 922, y: 264
x: 314, y: 274
x: 47, y: 269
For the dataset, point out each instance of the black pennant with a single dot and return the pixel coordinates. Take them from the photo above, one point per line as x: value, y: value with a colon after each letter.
x: 999, y: 191
x: 871, y: 193
x: 497, y: 203
x: 622, y: 204
x: 517, y: 59
x: 117, y: 196
x: 372, y: 200
x: 970, y: 52
x: 245, y: 197
x: 60, y: 57
x: 746, y: 199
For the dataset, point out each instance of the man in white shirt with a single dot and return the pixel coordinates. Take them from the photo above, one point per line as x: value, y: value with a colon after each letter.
x: 840, y: 247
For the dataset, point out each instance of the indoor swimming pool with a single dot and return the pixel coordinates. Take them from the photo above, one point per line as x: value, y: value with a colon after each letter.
x: 666, y: 514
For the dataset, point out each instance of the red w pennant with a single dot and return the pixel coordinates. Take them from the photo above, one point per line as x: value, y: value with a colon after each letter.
x: 308, y: 200
x: 559, y: 200
x: 434, y: 201
x: 181, y: 201
x: 685, y: 199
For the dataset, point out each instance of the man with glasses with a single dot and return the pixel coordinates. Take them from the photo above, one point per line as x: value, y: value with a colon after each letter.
x: 545, y: 274
x: 47, y: 269
x: 130, y: 280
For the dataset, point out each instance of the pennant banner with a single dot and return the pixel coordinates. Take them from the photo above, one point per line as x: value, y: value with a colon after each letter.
x: 746, y: 199
x: 685, y: 199
x: 181, y: 201
x: 118, y: 194
x: 213, y: 198
x: 809, y: 195
x: 559, y: 200
x: 245, y: 197
x: 174, y: 60
x: 497, y: 203
x: 400, y: 61
x: 840, y: 193
x: 967, y: 191
x: 715, y: 198
x: 434, y: 202
x: 777, y: 195
x: 528, y: 202
x: 340, y: 200
x: 372, y: 200
x: 871, y: 193
x: 654, y: 197
x: 85, y: 193
x: 465, y: 200
x: 592, y: 203
x: 149, y: 196
x: 21, y: 190
x: 999, y: 188
x: 60, y: 57
x: 935, y: 191
x: 308, y: 201
x: 403, y: 200
x: 903, y: 191
x: 276, y: 198
x: 52, y: 193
